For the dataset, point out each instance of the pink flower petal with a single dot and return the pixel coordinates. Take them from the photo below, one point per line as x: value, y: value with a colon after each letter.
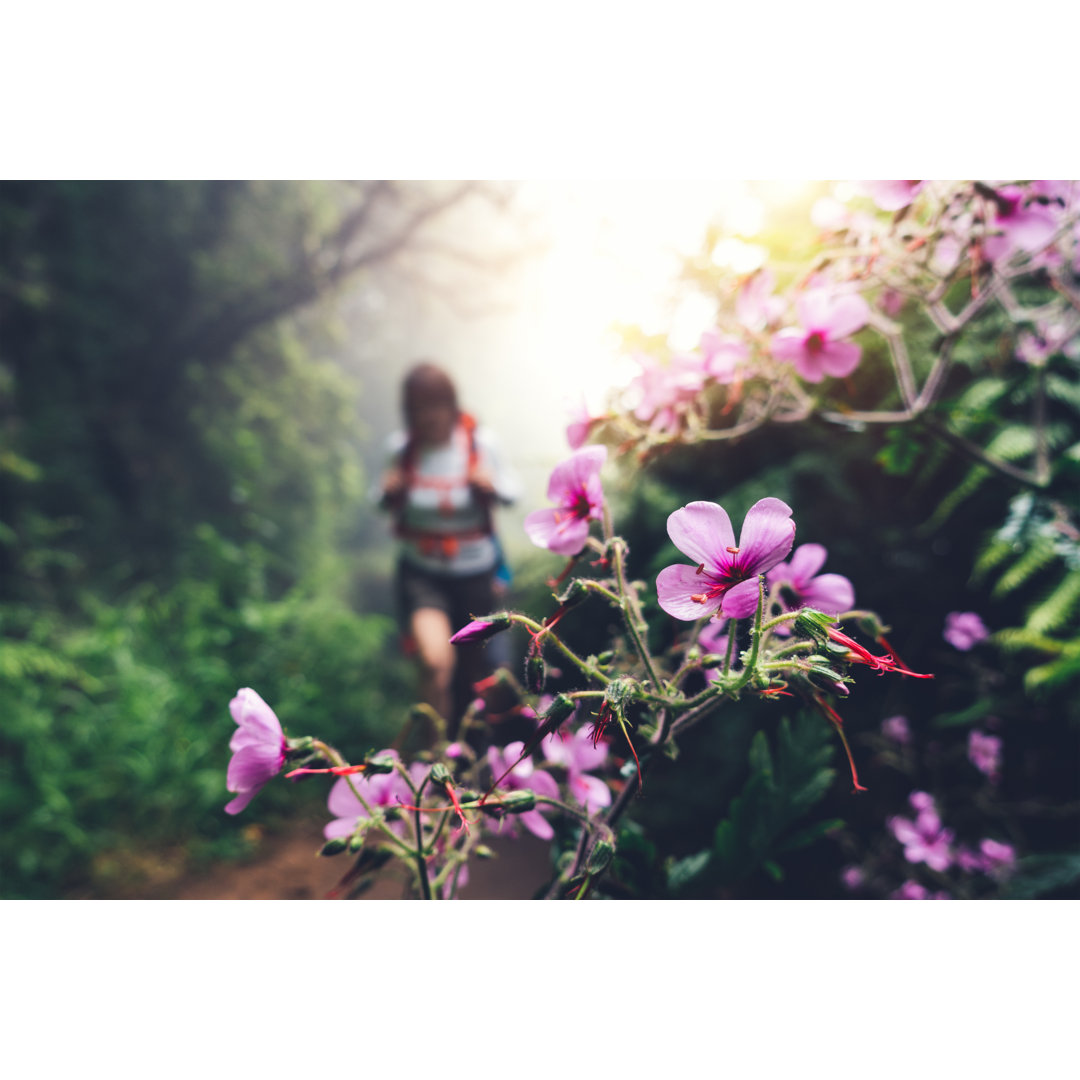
x: 702, y: 531
x: 573, y: 474
x: 674, y: 587
x: 741, y: 601
x: 767, y: 535
x: 839, y: 358
x: 789, y: 346
x: 557, y: 531
x: 831, y: 593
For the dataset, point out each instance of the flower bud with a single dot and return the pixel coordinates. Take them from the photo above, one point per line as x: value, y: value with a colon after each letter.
x: 440, y: 774
x: 560, y: 708
x: 519, y: 802
x: 575, y: 592
x: 375, y: 765
x: 481, y: 629
x: 535, y: 671
x: 335, y: 846
x: 356, y: 842
x: 482, y: 851
x: 814, y: 624
x: 600, y: 857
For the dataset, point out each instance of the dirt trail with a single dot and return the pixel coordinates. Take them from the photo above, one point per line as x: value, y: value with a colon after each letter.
x: 286, y: 867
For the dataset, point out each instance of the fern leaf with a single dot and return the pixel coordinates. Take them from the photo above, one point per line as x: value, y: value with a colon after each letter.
x: 1037, y: 557
x: 1015, y: 639
x: 991, y: 556
x: 1055, y: 611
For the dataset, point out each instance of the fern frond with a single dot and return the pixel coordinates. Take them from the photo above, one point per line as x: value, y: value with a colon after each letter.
x: 1037, y: 557
x: 1012, y: 443
x: 1017, y: 638
x: 991, y: 556
x: 1056, y: 609
x: 1047, y: 676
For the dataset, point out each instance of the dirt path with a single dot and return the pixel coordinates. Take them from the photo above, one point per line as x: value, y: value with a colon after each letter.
x: 286, y: 867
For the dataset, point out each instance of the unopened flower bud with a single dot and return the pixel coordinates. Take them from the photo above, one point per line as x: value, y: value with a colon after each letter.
x: 481, y: 629
x: 535, y: 671
x: 482, y: 851
x: 575, y: 592
x: 814, y: 624
x: 519, y: 802
x: 335, y: 846
x: 375, y: 765
x: 356, y: 842
x: 600, y: 857
x: 559, y: 709
x: 440, y: 774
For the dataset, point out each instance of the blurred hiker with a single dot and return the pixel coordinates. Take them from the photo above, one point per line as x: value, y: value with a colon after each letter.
x: 443, y: 480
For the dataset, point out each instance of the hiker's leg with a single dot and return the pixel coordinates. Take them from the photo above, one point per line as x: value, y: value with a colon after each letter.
x: 431, y: 631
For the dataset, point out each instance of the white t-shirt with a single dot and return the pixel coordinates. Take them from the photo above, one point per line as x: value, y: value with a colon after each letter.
x: 444, y: 528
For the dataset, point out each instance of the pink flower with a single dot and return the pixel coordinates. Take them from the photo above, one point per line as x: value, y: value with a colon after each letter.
x: 722, y: 354
x: 575, y: 488
x: 579, y: 756
x: 480, y: 629
x: 912, y: 890
x: 998, y: 859
x: 984, y: 752
x: 258, y: 747
x: 1020, y: 226
x: 524, y: 776
x: 581, y: 422
x: 924, y: 839
x: 665, y: 391
x: 891, y: 195
x: 799, y: 588
x: 852, y: 877
x: 817, y: 349
x: 964, y: 630
x: 755, y: 305
x: 724, y: 575
x: 896, y: 728
x: 383, y: 790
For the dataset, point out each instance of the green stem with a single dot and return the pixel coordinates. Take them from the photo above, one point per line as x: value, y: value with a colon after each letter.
x: 631, y: 614
x: 755, y: 641
x: 732, y: 630
x: 539, y: 629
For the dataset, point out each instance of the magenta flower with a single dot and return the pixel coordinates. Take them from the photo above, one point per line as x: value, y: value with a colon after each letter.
x: 384, y: 790
x: 818, y: 348
x: 524, y: 776
x: 722, y: 354
x: 1020, y: 226
x: 924, y: 839
x: 258, y: 747
x: 891, y: 195
x: 912, y: 890
x: 998, y: 859
x: 798, y: 587
x: 964, y: 630
x: 724, y: 575
x: 665, y: 392
x: 896, y: 728
x: 480, y: 629
x: 575, y: 488
x: 853, y: 878
x: 579, y: 756
x: 984, y: 752
x: 756, y: 306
